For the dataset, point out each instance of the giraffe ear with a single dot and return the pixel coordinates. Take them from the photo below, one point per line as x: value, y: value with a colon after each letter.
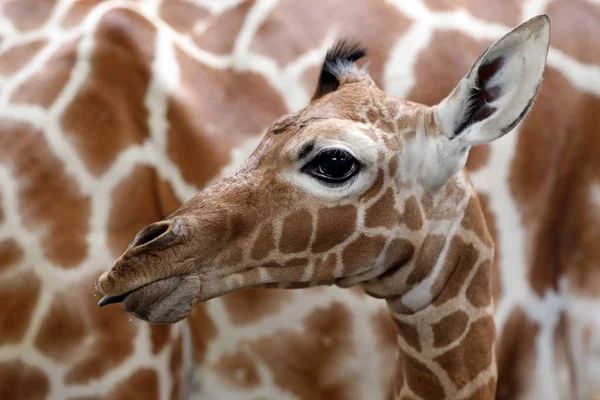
x: 499, y: 90
x: 340, y: 60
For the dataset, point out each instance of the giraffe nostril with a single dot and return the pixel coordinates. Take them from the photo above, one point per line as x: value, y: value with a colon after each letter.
x: 150, y: 233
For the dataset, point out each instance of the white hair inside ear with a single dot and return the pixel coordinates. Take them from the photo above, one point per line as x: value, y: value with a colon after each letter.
x: 494, y: 96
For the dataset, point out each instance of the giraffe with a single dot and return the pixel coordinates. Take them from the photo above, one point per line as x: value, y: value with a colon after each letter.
x: 357, y: 188
x: 180, y: 64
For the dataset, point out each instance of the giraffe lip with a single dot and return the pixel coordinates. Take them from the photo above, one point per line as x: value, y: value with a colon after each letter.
x: 106, y: 300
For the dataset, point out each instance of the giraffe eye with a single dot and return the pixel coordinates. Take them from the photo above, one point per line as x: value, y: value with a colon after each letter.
x: 332, y: 166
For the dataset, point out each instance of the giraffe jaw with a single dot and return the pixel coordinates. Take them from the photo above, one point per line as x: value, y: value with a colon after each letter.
x: 165, y: 301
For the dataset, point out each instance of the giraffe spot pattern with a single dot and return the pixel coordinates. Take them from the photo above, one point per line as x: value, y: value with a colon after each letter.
x: 361, y: 252
x: 475, y: 221
x: 409, y: 333
x: 27, y: 15
x: 449, y: 328
x: 182, y: 15
x: 334, y: 226
x: 10, y: 254
x: 21, y: 381
x: 472, y: 355
x: 307, y: 360
x: 383, y: 212
x: 219, y: 36
x: 325, y: 267
x: 19, y: 295
x: 427, y: 257
x: 296, y: 231
x: 420, y: 379
x: 111, y: 101
x: 203, y: 331
x: 265, y: 242
x: 44, y: 87
x: 249, y: 306
x: 460, y: 259
x: 412, y: 214
x: 17, y: 56
x: 159, y: 337
x: 49, y: 200
x: 478, y: 292
x: 238, y: 370
x: 506, y: 13
x: 141, y: 385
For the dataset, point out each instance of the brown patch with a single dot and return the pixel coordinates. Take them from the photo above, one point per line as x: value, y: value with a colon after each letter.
x: 304, y: 363
x: 490, y: 219
x: 383, y: 212
x: 182, y: 15
x: 551, y: 176
x: 251, y: 305
x: 325, y: 267
x: 478, y: 157
x: 176, y: 366
x: 427, y: 257
x: 289, y: 272
x: 21, y: 381
x: 203, y: 330
x: 362, y: 252
x: 18, y: 56
x: 27, y: 15
x: 375, y: 188
x: 142, y: 385
x: 76, y: 332
x: 473, y: 355
x: 399, y: 252
x: 412, y: 214
x: 135, y: 204
x: 198, y: 133
x: 487, y: 391
x: 159, y: 335
x: 440, y: 59
x: 111, y: 102
x: 295, y: 232
x: 18, y: 295
x: 284, y: 37
x: 50, y: 200
x: 386, y: 336
x: 169, y: 201
x: 10, y: 254
x: 334, y: 226
x: 475, y: 221
x: 409, y: 333
x: 43, y: 87
x: 479, y: 290
x: 265, y: 242
x: 420, y: 379
x: 574, y: 22
x: 506, y: 12
x: 449, y: 328
x: 461, y: 258
x: 222, y: 30
x: 78, y: 11
x: 393, y: 166
x: 515, y: 355
x: 238, y: 370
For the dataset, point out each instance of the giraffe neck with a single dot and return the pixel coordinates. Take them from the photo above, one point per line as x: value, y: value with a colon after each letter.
x: 445, y: 320
x: 447, y: 348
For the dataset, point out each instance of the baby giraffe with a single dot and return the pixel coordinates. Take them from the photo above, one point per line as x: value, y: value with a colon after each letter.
x: 358, y: 188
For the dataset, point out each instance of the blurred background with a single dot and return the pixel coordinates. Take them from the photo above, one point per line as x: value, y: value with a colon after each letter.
x: 113, y: 113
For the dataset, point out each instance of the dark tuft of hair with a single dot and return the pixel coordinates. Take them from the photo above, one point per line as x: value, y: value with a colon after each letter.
x: 339, y: 59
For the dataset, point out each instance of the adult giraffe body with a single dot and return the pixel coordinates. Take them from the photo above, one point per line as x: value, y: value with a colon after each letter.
x: 72, y: 200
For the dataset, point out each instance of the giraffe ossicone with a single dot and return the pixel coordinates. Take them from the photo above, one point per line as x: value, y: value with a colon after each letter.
x: 357, y: 188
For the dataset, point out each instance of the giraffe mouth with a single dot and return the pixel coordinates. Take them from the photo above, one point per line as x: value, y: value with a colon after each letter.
x: 167, y: 300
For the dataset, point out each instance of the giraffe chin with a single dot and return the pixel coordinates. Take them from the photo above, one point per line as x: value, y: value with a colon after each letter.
x: 165, y: 301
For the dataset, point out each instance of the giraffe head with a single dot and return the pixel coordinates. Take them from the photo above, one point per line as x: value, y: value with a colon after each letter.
x: 346, y: 191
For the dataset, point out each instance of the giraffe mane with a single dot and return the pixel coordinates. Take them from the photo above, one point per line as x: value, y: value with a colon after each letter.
x: 340, y: 61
